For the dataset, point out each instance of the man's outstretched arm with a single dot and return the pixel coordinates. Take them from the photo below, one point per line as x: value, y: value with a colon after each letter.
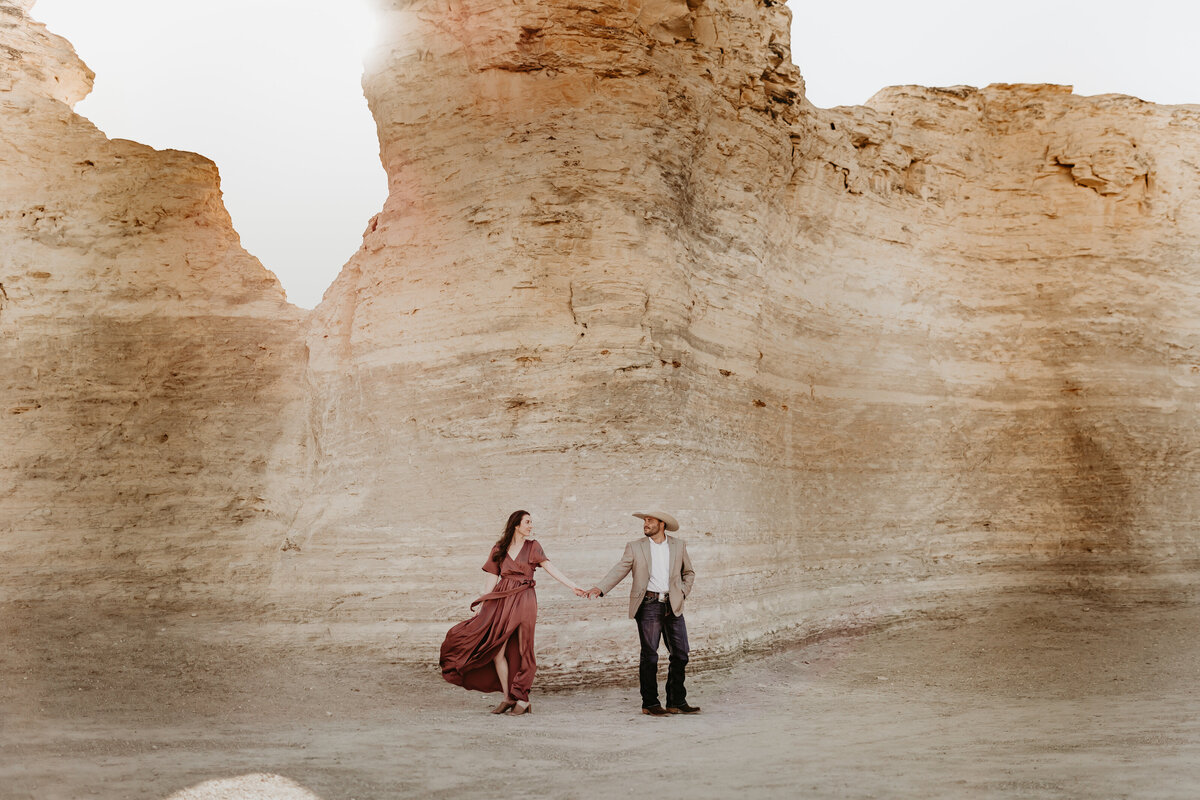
x: 615, y: 575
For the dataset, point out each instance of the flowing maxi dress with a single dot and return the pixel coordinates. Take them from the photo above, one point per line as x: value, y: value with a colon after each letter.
x: 506, y: 619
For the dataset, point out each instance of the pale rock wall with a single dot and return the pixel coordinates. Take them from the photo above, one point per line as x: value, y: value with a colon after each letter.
x: 152, y: 370
x: 879, y: 361
x: 583, y: 215
x: 1053, y: 272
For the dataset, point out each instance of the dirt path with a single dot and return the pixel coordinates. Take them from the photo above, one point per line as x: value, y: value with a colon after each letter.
x: 1039, y: 698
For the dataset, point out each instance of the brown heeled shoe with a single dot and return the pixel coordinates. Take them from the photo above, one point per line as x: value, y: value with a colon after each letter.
x: 504, y: 706
x: 519, y: 709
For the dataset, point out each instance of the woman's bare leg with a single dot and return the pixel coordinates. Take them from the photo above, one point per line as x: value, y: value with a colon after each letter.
x: 502, y: 669
x: 521, y: 647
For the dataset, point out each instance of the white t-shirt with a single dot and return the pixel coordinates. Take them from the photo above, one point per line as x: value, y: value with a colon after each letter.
x: 660, y: 567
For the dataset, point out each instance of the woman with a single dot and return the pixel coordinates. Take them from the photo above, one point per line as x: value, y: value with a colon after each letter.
x: 493, y: 650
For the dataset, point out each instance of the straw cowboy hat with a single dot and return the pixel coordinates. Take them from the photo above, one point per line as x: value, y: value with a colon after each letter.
x: 667, y: 519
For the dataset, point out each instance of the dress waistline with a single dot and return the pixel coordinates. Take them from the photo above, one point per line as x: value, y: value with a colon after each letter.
x: 523, y: 585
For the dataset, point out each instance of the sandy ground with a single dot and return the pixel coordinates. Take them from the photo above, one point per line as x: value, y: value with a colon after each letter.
x: 1034, y: 698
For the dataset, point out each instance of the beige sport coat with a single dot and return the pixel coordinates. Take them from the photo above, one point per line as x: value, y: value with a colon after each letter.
x: 637, y: 559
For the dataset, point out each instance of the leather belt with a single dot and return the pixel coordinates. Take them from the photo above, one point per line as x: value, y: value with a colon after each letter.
x: 657, y: 597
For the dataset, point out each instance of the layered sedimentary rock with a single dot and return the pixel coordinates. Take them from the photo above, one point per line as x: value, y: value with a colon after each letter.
x: 152, y: 369
x: 1044, y: 275
x: 560, y: 308
x: 877, y: 360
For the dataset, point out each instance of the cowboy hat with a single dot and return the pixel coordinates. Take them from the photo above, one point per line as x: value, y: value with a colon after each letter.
x: 666, y: 519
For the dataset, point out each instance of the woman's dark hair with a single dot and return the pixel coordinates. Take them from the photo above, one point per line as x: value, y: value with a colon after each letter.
x: 514, y: 519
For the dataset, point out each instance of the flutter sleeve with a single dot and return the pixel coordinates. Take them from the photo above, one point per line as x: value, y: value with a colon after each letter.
x: 491, y: 565
x: 536, y: 554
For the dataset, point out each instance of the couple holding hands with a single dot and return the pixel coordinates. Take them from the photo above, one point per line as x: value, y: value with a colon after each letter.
x: 493, y: 650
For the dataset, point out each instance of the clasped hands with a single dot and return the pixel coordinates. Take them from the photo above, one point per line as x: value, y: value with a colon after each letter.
x: 591, y: 593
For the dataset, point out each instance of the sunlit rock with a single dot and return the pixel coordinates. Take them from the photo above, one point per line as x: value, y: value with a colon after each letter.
x: 880, y: 361
x: 152, y: 371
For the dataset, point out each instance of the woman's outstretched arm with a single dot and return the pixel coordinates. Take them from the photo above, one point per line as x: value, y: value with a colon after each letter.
x: 563, y: 579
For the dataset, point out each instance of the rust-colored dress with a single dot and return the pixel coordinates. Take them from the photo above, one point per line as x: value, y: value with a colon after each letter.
x: 506, y: 619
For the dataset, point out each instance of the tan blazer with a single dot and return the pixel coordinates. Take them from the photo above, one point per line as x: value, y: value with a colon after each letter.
x: 637, y: 559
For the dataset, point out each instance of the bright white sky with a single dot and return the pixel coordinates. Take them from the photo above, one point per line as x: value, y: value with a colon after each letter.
x: 270, y: 89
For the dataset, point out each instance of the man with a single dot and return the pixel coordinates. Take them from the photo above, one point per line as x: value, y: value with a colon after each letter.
x: 662, y: 578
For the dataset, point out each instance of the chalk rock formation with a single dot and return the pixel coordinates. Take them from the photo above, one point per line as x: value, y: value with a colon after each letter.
x: 879, y: 361
x: 562, y: 307
x: 1041, y: 270
x: 152, y: 369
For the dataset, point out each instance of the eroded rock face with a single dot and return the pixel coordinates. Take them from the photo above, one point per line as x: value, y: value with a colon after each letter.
x: 879, y: 361
x: 152, y: 369
x: 560, y: 308
x: 1048, y: 261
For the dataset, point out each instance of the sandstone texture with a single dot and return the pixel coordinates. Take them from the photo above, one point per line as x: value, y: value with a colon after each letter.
x: 152, y: 370
x: 879, y: 361
x: 877, y: 358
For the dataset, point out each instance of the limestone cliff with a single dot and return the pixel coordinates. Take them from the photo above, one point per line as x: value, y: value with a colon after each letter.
x: 152, y: 369
x: 880, y: 361
x: 559, y: 309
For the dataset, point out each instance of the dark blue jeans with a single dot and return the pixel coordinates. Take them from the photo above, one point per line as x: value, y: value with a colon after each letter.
x: 655, y: 621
